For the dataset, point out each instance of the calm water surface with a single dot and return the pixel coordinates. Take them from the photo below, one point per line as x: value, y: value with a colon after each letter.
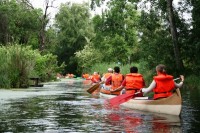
x: 65, y: 106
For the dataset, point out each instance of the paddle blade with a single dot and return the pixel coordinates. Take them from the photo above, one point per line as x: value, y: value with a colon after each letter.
x: 116, y: 101
x: 93, y: 88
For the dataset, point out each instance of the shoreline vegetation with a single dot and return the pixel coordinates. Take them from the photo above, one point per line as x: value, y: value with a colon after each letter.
x: 19, y: 63
x: 127, y: 33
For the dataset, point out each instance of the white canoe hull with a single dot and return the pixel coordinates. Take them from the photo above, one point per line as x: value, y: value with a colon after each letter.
x: 171, y: 105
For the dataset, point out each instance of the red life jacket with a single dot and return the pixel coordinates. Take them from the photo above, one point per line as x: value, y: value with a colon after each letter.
x: 164, y: 86
x: 134, y: 81
x: 116, y: 82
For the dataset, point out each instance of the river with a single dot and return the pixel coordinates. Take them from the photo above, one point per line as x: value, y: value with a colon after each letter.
x: 65, y: 106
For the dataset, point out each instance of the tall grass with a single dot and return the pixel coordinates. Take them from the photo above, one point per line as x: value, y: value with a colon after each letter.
x: 16, y: 64
x: 4, y: 77
x: 19, y: 63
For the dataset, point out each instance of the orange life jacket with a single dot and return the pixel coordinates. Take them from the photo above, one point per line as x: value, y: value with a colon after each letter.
x: 116, y: 82
x: 86, y: 76
x: 134, y: 81
x: 164, y: 86
x: 96, y: 78
x: 107, y: 75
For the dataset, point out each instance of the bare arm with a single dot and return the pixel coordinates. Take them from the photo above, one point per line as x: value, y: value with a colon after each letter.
x: 150, y: 88
x: 179, y: 85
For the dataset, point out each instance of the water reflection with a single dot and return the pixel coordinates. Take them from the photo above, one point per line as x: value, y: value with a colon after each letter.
x: 190, y: 111
x: 134, y: 121
x: 65, y: 106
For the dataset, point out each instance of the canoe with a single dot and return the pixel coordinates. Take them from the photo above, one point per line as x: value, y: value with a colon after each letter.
x: 170, y: 105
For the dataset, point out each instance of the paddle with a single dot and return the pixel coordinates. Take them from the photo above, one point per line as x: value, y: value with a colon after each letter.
x: 125, y: 97
x: 93, y: 88
x: 115, y: 101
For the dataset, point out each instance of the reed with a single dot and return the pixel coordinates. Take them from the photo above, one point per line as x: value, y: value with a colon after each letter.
x: 4, y: 77
x: 21, y: 62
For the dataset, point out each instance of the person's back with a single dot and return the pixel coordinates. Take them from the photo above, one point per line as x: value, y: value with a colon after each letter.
x: 116, y: 80
x: 95, y: 78
x: 104, y: 78
x: 134, y: 81
x: 85, y: 75
x: 162, y: 84
x: 107, y: 75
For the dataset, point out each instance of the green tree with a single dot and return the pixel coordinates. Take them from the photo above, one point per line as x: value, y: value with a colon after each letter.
x: 19, y: 22
x: 161, y: 12
x: 74, y: 26
x: 173, y: 29
x: 192, y: 45
x: 155, y: 42
x: 116, y: 35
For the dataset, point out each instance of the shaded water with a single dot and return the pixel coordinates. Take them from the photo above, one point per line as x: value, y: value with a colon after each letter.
x: 65, y: 106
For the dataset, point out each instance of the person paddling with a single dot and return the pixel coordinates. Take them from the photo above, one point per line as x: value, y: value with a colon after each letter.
x: 105, y: 77
x: 132, y: 83
x: 162, y: 84
x: 95, y: 78
x: 85, y: 76
x: 115, y: 79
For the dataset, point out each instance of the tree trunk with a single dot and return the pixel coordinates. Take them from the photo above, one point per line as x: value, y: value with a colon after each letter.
x: 42, y: 37
x: 179, y: 63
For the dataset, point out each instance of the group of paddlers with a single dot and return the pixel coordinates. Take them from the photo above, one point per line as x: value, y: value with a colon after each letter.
x: 69, y: 75
x: 115, y: 83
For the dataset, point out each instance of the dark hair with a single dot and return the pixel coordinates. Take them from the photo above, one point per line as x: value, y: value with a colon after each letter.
x: 161, y: 68
x: 133, y: 69
x: 117, y: 69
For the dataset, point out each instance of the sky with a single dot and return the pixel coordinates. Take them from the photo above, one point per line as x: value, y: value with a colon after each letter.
x: 40, y: 3
x: 53, y: 11
x: 56, y: 3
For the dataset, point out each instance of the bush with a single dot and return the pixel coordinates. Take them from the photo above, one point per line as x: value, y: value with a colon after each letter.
x: 192, y: 82
x: 46, y: 67
x: 19, y: 63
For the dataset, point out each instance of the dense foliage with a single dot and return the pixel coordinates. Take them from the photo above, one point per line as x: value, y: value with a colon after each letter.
x: 75, y: 28
x: 21, y: 63
x: 126, y: 32
x: 19, y: 23
x: 164, y: 32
